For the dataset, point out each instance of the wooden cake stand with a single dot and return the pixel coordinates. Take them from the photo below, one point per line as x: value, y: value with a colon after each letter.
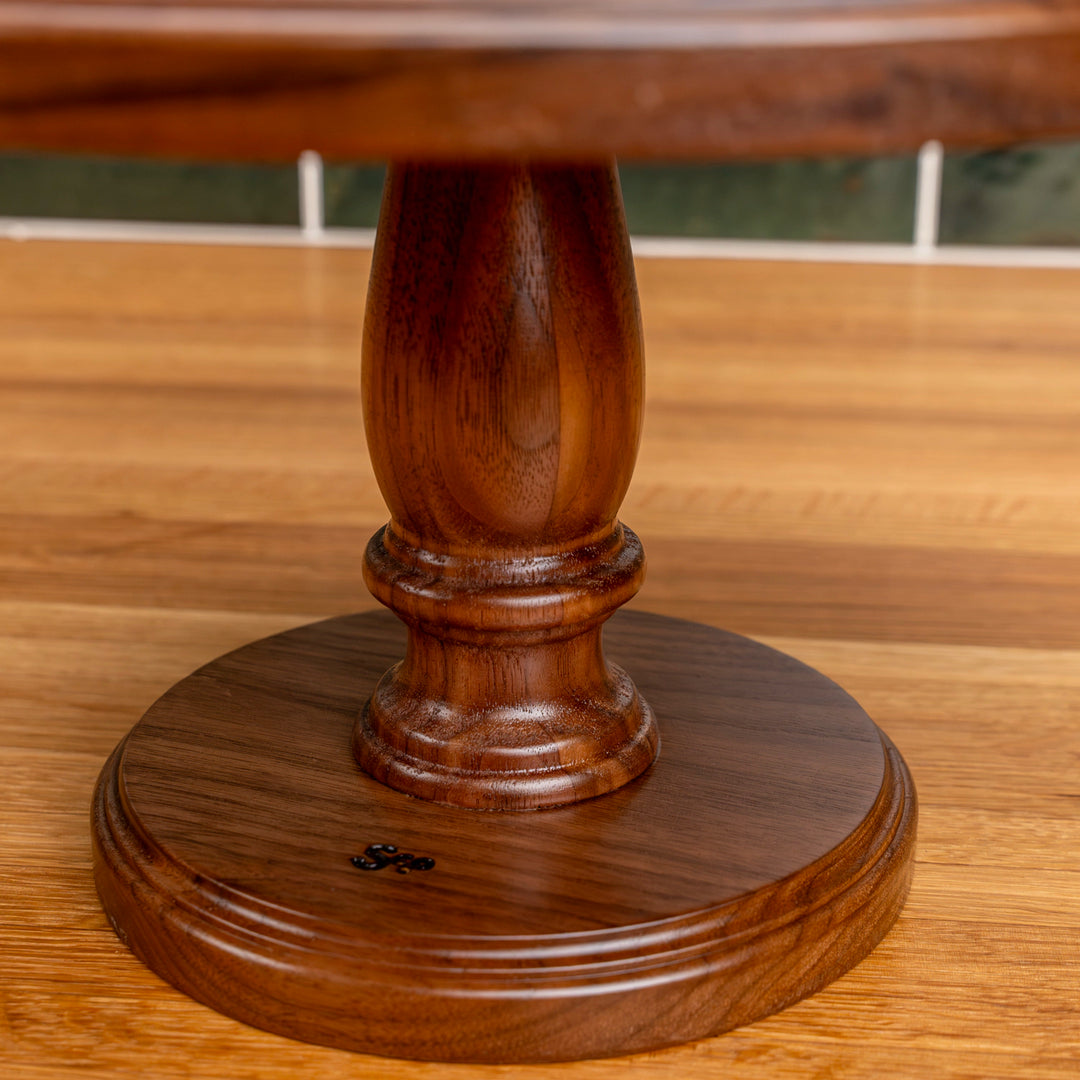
x: 501, y: 827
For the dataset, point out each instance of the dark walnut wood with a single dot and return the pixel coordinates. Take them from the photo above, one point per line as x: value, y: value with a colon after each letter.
x: 502, y: 403
x: 249, y: 857
x: 241, y: 849
x: 766, y: 851
x: 262, y: 79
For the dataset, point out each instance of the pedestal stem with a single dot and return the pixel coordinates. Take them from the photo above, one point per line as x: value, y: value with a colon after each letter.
x: 502, y: 397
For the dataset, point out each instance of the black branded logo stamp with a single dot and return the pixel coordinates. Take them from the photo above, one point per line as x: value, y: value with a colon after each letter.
x: 379, y: 856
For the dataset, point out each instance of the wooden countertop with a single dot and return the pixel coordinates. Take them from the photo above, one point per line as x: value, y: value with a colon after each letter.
x: 874, y: 468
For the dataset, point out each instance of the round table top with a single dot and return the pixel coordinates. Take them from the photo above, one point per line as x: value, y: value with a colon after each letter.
x: 263, y: 79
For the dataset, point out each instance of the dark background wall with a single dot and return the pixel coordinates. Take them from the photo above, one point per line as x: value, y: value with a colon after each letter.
x: 1027, y: 195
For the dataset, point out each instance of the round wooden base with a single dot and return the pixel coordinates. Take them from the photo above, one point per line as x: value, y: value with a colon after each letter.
x: 243, y: 855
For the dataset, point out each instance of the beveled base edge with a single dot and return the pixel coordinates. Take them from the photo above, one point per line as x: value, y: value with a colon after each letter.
x: 722, y: 968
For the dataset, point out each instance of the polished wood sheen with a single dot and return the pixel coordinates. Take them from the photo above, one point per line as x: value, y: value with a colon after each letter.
x: 502, y: 398
x: 871, y: 468
x: 502, y: 386
x: 503, y: 383
x: 767, y: 851
x: 261, y: 79
x: 242, y: 854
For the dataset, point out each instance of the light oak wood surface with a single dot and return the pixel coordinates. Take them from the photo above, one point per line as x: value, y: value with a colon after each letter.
x: 872, y: 468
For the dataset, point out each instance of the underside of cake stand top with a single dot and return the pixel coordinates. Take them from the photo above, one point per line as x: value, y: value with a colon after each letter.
x: 400, y: 79
x: 765, y: 852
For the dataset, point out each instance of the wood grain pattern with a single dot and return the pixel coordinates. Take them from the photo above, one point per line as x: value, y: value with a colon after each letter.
x: 266, y: 80
x: 502, y: 386
x: 503, y: 383
x: 877, y: 462
x: 608, y: 926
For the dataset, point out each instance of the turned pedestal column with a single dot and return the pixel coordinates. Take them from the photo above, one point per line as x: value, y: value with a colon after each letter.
x: 274, y: 837
x: 503, y: 388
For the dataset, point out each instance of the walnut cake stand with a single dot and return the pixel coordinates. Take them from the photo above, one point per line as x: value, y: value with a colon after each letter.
x: 499, y: 828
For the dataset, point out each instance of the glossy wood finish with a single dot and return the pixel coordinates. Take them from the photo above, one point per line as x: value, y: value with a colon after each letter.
x: 502, y: 400
x: 873, y: 468
x: 698, y: 78
x: 503, y: 382
x: 766, y: 852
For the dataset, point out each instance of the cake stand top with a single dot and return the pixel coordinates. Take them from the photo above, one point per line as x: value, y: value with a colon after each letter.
x: 263, y: 79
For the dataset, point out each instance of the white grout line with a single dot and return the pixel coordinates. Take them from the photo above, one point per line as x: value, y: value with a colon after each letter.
x: 931, y: 162
x: 1065, y: 258
x: 312, y: 211
x: 160, y: 232
x: 645, y: 246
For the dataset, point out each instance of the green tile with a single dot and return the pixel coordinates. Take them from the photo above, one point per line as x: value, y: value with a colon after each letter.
x: 802, y: 200
x: 34, y: 185
x: 352, y: 194
x: 833, y: 199
x: 1026, y: 195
